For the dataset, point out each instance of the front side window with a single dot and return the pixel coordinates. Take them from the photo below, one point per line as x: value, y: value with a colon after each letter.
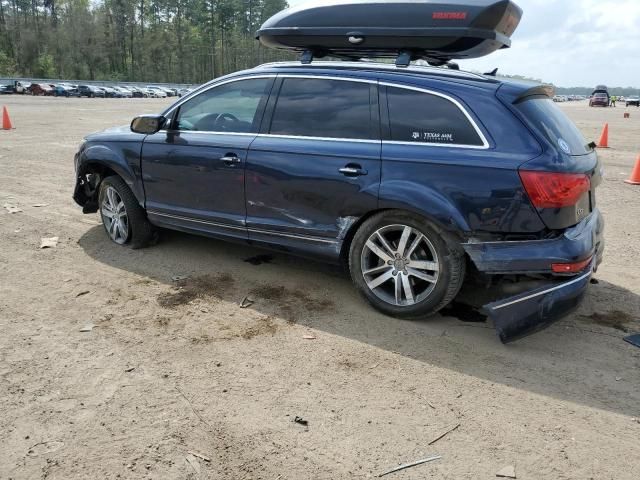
x: 231, y: 107
x: 310, y: 107
x: 421, y: 117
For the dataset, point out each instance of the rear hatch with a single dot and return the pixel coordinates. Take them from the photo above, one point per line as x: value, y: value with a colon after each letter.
x: 561, y: 183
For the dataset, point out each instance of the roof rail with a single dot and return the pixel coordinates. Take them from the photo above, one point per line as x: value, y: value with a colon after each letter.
x: 369, y: 65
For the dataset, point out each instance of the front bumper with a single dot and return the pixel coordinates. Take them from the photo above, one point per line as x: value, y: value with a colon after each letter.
x: 528, y: 312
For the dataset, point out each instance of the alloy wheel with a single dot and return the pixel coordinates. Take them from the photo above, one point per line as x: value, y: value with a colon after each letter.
x: 114, y: 216
x: 400, y: 265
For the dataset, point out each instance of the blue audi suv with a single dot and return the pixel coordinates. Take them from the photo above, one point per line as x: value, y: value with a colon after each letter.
x: 419, y: 180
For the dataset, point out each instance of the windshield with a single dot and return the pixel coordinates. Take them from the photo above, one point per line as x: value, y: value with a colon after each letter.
x: 554, y: 125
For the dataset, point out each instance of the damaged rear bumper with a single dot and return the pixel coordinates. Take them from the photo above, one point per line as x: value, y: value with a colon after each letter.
x: 531, y: 311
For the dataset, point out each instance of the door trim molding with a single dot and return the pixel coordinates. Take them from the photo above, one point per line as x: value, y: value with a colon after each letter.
x: 244, y: 228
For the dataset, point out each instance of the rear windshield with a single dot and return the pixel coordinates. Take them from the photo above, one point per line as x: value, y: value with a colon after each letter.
x: 554, y: 125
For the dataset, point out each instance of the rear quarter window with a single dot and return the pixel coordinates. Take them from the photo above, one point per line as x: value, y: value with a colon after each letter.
x: 554, y: 125
x: 421, y: 117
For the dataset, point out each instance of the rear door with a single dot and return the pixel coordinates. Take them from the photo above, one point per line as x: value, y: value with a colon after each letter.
x: 315, y: 167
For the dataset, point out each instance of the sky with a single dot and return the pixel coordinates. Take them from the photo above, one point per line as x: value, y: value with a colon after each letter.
x: 570, y: 43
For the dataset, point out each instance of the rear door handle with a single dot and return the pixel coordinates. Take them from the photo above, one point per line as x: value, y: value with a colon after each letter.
x: 352, y: 170
x: 230, y: 159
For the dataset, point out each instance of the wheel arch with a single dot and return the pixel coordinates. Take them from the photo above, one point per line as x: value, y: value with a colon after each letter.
x: 94, y: 165
x: 445, y: 230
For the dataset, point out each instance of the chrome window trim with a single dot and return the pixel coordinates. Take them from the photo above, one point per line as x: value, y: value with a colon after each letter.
x: 207, y: 132
x: 327, y: 139
x: 173, y: 107
x: 244, y: 228
x: 328, y: 77
x: 485, y: 144
x: 446, y: 145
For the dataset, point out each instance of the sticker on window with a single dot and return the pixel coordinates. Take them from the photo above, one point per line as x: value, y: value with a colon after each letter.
x: 564, y: 146
x: 432, y: 137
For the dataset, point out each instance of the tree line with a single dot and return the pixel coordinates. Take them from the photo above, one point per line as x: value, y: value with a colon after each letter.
x: 175, y: 41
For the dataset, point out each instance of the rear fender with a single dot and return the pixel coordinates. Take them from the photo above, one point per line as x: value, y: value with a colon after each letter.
x: 422, y: 200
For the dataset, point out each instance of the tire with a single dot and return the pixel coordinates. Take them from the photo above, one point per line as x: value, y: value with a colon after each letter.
x: 432, y: 285
x: 132, y: 226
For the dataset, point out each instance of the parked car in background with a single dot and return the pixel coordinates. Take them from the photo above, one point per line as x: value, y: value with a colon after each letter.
x: 599, y: 99
x: 6, y: 89
x: 632, y: 101
x: 123, y: 92
x: 156, y: 92
x: 184, y: 91
x: 129, y: 89
x: 65, y: 90
x: 169, y: 91
x: 90, y: 91
x: 109, y: 92
x: 43, y: 89
x: 18, y: 86
x: 138, y: 92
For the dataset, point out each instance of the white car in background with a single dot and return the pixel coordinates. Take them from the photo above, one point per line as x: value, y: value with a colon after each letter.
x: 156, y: 92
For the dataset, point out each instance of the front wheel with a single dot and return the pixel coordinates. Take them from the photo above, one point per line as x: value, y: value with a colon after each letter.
x: 124, y: 220
x: 405, y: 266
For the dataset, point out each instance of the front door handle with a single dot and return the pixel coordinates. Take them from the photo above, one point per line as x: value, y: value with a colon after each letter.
x: 352, y: 170
x: 230, y: 159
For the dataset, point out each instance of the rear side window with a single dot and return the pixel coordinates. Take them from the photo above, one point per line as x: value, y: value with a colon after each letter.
x: 551, y: 122
x: 323, y: 108
x: 425, y: 118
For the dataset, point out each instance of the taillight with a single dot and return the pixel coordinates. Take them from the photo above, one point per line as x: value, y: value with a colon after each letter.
x: 554, y: 190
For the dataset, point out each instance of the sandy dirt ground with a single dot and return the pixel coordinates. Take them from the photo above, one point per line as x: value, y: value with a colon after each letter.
x: 175, y: 381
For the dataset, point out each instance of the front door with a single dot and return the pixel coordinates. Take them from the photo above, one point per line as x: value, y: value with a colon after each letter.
x: 315, y: 168
x: 193, y: 172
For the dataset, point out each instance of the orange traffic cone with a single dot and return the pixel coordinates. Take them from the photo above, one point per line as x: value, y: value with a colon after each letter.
x: 6, y: 121
x: 604, y: 138
x: 634, y: 179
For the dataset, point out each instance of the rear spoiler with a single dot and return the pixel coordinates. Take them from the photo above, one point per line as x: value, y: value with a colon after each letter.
x: 537, y: 91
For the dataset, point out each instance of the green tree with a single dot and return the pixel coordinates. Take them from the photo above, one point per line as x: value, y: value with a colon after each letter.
x: 188, y: 41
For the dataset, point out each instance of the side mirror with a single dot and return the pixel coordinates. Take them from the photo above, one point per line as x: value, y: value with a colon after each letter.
x: 147, y: 124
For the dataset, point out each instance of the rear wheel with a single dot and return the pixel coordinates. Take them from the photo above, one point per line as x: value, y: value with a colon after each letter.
x: 405, y: 266
x: 124, y: 220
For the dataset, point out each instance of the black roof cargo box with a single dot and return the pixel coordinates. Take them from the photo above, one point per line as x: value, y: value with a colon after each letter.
x: 437, y: 31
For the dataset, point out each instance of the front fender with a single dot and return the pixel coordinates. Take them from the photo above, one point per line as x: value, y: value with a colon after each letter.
x: 104, y: 159
x: 424, y: 201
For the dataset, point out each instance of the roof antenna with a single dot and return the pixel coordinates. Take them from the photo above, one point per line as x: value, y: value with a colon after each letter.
x: 492, y: 73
